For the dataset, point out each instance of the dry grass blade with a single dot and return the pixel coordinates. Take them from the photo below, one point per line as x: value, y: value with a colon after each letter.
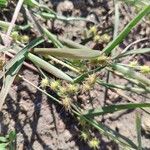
x: 68, y: 53
x: 12, y: 24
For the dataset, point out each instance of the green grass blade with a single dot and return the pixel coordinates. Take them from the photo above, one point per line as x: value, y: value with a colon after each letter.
x: 72, y: 44
x: 31, y: 3
x: 13, y: 67
x: 5, y: 25
x: 123, y: 87
x: 134, y: 52
x: 138, y: 129
x: 68, y: 53
x: 107, y: 50
x: 21, y: 53
x: 114, y: 108
x: 10, y: 76
x: 106, y: 131
x: 129, y: 72
x: 48, y: 67
x: 52, y: 37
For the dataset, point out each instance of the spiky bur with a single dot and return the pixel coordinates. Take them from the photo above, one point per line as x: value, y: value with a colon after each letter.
x: 145, y: 69
x: 101, y: 60
x: 94, y: 143
x: 133, y: 64
x: 105, y: 38
x: 89, y: 82
x: 24, y: 39
x: 66, y: 102
x: 62, y: 91
x: 72, y: 89
x: 44, y: 83
x: 97, y: 38
x: 15, y: 35
x: 84, y: 135
x: 86, y: 87
x: 91, y: 79
x: 21, y: 38
x: 93, y: 30
x: 55, y: 85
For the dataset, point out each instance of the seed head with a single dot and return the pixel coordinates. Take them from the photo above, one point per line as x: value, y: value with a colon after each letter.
x: 55, y: 85
x: 84, y: 135
x: 97, y: 38
x: 63, y: 90
x: 44, y: 82
x: 91, y: 79
x: 66, y: 102
x: 25, y: 39
x: 15, y: 35
x: 86, y: 87
x: 145, y: 69
x: 72, y: 88
x: 94, y: 143
x: 106, y: 38
x: 102, y: 60
x: 93, y: 30
x: 133, y: 64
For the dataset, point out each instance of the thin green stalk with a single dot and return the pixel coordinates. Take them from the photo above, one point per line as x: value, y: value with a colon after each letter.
x: 138, y: 130
x: 60, y: 17
x: 131, y: 74
x: 5, y: 25
x: 72, y: 44
x: 55, y: 99
x: 114, y: 108
x: 48, y: 67
x: 107, y: 50
x: 126, y: 78
x: 132, y: 89
x: 63, y: 64
x: 125, y: 142
x: 52, y: 37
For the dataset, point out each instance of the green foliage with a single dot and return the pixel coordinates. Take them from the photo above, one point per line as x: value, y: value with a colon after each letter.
x: 3, y: 3
x: 7, y: 142
x: 31, y: 3
x: 83, y: 63
x: 138, y: 129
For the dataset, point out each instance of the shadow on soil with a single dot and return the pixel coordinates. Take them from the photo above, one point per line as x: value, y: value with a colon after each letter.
x: 14, y: 110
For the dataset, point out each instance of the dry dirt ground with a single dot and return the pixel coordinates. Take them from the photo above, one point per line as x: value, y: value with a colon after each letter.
x: 43, y: 125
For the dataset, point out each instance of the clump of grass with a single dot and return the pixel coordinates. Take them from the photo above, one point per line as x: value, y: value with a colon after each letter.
x: 84, y: 62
